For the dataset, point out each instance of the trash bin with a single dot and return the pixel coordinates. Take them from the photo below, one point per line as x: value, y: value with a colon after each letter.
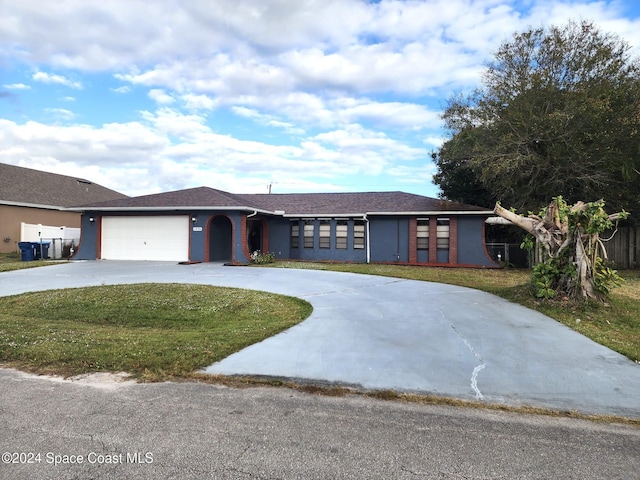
x: 27, y: 251
x: 41, y: 250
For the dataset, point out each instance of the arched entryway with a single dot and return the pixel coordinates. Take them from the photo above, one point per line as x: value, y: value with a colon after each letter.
x: 220, y: 239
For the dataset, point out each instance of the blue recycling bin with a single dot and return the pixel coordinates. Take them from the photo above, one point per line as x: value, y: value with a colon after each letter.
x: 41, y: 250
x: 27, y: 250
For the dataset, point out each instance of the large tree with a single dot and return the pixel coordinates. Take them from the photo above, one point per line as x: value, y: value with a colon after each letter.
x: 573, y: 262
x: 558, y: 113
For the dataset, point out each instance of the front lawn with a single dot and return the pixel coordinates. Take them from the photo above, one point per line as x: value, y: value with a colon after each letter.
x: 151, y: 331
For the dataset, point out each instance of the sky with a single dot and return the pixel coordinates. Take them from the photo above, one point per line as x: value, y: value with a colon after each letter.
x: 252, y: 96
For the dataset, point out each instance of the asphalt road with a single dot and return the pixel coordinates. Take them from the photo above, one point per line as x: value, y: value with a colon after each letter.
x: 193, y: 431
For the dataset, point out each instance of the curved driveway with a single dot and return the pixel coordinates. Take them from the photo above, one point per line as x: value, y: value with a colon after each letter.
x: 384, y: 333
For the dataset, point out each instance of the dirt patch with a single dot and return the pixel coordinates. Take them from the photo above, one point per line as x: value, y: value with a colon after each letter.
x: 102, y: 380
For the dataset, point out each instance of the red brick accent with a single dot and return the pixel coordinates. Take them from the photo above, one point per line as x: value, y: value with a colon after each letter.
x: 413, y: 240
x: 265, y: 235
x: 433, y: 239
x: 453, y: 240
x: 243, y: 238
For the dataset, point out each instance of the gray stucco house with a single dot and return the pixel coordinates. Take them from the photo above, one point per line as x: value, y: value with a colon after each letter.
x: 204, y: 224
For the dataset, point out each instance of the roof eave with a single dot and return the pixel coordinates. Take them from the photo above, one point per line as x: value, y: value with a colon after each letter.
x: 361, y: 214
x: 323, y: 215
x: 436, y: 212
x: 165, y: 208
x: 31, y: 205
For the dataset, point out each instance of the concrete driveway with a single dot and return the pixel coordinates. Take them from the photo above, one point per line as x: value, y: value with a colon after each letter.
x: 384, y: 333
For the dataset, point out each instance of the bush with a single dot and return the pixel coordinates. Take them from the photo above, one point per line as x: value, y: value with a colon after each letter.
x: 262, y: 257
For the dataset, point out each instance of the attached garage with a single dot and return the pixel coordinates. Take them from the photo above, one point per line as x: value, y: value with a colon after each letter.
x: 160, y: 238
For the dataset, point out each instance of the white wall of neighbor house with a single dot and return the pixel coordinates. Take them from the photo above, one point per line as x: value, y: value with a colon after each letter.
x: 159, y: 238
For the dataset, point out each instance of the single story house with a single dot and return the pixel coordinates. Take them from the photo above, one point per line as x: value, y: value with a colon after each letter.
x: 204, y: 225
x: 36, y: 197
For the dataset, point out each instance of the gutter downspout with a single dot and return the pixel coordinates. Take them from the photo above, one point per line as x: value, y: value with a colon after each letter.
x: 368, y: 243
x: 244, y: 241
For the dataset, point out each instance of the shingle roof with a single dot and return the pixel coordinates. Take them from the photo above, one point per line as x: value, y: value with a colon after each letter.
x: 357, y: 203
x: 25, y: 186
x: 189, y: 198
x: 293, y: 204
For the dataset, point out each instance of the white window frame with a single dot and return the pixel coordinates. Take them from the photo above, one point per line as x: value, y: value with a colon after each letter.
x: 358, y: 234
x: 442, y: 233
x: 422, y: 234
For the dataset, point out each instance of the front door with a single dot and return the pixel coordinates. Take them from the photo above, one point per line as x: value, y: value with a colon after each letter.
x: 220, y: 239
x: 254, y: 235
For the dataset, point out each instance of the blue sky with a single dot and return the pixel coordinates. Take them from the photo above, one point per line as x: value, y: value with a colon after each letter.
x: 303, y: 95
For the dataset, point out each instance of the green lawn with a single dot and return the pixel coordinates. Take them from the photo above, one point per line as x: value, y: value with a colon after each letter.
x: 12, y: 261
x: 151, y: 331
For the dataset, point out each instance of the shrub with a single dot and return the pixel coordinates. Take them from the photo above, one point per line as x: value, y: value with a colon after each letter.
x: 262, y: 257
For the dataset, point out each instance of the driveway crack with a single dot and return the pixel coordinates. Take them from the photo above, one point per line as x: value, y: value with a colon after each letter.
x: 479, y: 367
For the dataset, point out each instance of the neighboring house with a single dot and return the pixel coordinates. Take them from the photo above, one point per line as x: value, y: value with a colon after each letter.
x: 204, y: 224
x: 36, y: 197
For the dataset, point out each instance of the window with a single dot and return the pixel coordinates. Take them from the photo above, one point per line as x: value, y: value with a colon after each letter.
x: 422, y: 234
x: 358, y: 234
x: 442, y: 229
x: 308, y: 234
x: 324, y: 234
x: 295, y: 235
x: 342, y: 229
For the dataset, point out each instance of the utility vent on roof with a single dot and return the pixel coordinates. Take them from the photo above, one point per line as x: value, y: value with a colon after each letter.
x: 84, y: 182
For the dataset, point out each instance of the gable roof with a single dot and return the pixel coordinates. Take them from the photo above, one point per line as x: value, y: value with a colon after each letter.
x: 26, y: 187
x: 290, y: 204
x: 192, y: 198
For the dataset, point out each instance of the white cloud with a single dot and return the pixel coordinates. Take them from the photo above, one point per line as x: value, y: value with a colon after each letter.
x: 198, y: 102
x: 160, y: 97
x: 60, y: 113
x: 168, y: 149
x: 115, y: 144
x: 51, y: 78
x: 172, y: 123
x: 122, y: 90
x: 268, y: 120
x: 17, y: 86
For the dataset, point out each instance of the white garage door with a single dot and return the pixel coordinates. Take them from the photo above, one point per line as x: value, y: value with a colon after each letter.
x: 145, y: 238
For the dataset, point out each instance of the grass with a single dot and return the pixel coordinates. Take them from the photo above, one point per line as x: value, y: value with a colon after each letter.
x: 151, y: 331
x: 13, y: 261
x: 615, y: 324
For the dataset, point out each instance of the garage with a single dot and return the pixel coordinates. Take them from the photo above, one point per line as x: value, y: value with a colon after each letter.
x: 161, y: 238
